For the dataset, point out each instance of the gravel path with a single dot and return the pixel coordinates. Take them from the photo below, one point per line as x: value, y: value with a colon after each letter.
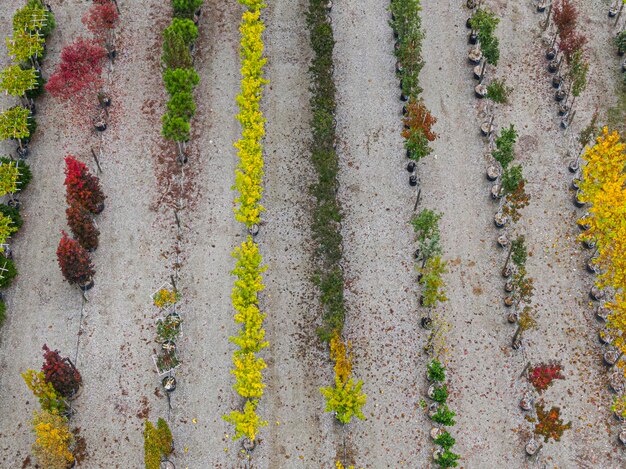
x: 382, y: 317
x: 210, y: 232
x: 299, y: 433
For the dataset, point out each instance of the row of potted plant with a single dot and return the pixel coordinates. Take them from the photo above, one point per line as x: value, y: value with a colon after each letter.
x: 180, y: 79
x: 440, y: 413
x: 600, y: 189
x: 548, y: 424
x: 179, y: 75
x: 55, y: 386
x: 509, y: 188
x: 567, y: 45
x: 85, y: 200
x: 158, y: 442
x: 250, y: 339
x: 344, y: 398
x: 486, y: 51
x: 32, y: 24
x: 417, y: 121
x: 77, y: 81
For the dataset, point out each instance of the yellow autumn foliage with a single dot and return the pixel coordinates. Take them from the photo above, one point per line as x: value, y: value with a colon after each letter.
x: 340, y: 354
x: 54, y: 439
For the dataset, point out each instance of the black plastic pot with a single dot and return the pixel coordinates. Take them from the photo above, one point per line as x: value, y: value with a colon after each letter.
x: 563, y: 109
x: 411, y: 166
x: 169, y: 384
x: 559, y: 96
x: 550, y: 53
x: 100, y: 126
x: 473, y: 37
x: 413, y: 180
x: 22, y: 152
x: 556, y: 81
x: 99, y: 208
x: 403, y: 97
x: 553, y: 66
x: 468, y: 24
x: 573, y: 166
x: 426, y: 323
x: 87, y: 286
x: 404, y: 110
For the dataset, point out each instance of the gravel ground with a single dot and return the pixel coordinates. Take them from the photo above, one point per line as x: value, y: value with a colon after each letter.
x: 381, y: 304
x: 299, y: 433
x: 137, y: 243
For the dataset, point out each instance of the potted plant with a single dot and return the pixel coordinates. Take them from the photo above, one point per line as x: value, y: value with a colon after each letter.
x: 75, y: 263
x: 532, y: 447
x: 444, y: 416
x: 436, y: 372
x: 619, y: 408
x: 169, y: 328
x: 164, y: 298
x: 438, y: 393
x: 166, y: 361
x: 61, y: 373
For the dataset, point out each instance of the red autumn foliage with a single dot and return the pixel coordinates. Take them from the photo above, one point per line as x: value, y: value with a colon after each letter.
x: 571, y: 43
x: 74, y: 261
x: 78, y: 74
x: 60, y: 372
x: 82, y: 226
x: 565, y: 18
x: 101, y: 18
x: 542, y: 375
x: 82, y: 187
x: 419, y: 118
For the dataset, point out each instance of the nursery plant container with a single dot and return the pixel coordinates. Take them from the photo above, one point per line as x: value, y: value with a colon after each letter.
x: 596, y: 294
x: 532, y: 447
x: 499, y: 220
x: 480, y: 91
x: 503, y: 241
x: 475, y: 55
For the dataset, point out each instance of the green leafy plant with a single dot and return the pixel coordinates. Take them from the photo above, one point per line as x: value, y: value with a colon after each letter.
x: 445, y: 440
x: 157, y: 443
x: 186, y: 8
x: 485, y: 22
x: 444, y: 416
x: 505, y: 142
x: 175, y: 52
x: 620, y: 42
x: 180, y: 80
x: 345, y: 400
x: 436, y: 372
x: 448, y: 459
x: 440, y: 394
x: 431, y: 280
x: 407, y: 24
x: 185, y: 28
x: 498, y: 92
x: 7, y: 272
x: 3, y: 312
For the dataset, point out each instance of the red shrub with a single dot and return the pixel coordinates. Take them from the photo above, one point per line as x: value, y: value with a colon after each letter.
x: 542, y: 375
x: 101, y: 18
x: 74, y: 261
x: 82, y: 187
x: 82, y: 226
x: 60, y: 372
x: 78, y: 74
